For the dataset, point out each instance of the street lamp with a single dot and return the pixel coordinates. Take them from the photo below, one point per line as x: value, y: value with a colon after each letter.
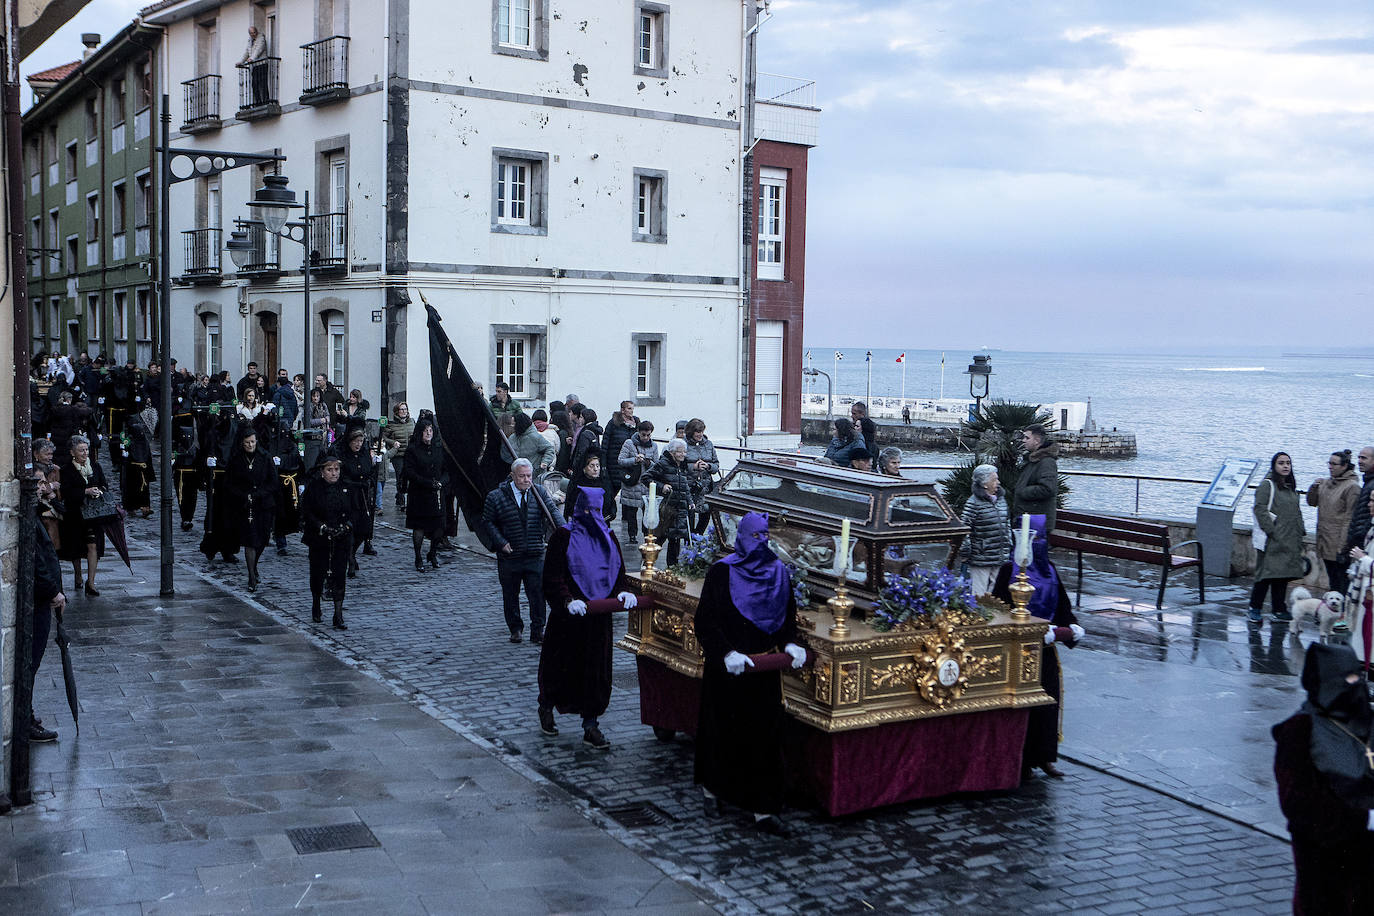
x: 829, y: 393
x: 271, y: 205
x: 978, y: 372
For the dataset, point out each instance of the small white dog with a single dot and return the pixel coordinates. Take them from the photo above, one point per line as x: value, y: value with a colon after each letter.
x: 1324, y: 611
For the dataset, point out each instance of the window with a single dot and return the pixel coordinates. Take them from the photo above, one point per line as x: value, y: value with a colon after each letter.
x: 93, y: 317
x: 52, y: 155
x: 92, y: 119
x: 71, y: 161
x: 212, y: 344
x: 38, y: 330
x: 651, y: 39
x: 34, y: 156
x: 35, y: 243
x: 93, y: 216
x: 73, y: 253
x: 646, y: 368
x: 121, y: 315
x: 143, y: 85
x: 511, y: 364
x: 768, y: 350
x: 143, y: 315
x: 117, y: 206
x: 55, y: 317
x: 772, y: 222
x: 143, y: 199
x: 520, y: 28
x: 519, y: 183
x: 117, y: 101
x: 337, y: 340
x: 54, y: 255
x: 649, y: 209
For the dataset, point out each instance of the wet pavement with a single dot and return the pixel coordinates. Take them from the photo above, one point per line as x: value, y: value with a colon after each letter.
x: 212, y: 724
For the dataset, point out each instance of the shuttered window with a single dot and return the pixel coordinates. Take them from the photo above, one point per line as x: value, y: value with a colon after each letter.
x: 768, y: 375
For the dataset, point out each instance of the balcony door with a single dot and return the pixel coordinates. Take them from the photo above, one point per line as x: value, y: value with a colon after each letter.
x: 337, y: 243
x: 267, y: 326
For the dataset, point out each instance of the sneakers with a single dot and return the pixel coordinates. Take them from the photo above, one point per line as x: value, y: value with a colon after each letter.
x: 40, y: 735
x: 1341, y: 626
x: 593, y: 738
x: 1283, y: 615
x: 1255, y: 615
x: 546, y: 723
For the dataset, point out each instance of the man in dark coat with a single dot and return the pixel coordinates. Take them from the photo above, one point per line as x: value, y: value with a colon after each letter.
x: 515, y: 526
x: 1359, y: 520
x: 582, y: 564
x: 326, y: 508
x: 1325, y: 774
x: 1037, y: 486
x: 619, y: 428
x: 747, y: 608
x: 188, y: 466
x: 248, y: 381
x: 47, y: 599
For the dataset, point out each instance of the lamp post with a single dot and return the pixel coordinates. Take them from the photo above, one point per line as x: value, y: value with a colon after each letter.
x: 978, y: 373
x: 829, y: 393
x: 271, y: 204
x: 177, y: 165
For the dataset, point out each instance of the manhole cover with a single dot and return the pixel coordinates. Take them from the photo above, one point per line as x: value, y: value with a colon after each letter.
x: 639, y: 814
x: 331, y: 838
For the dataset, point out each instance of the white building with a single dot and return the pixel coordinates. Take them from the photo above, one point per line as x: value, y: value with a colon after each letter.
x: 561, y: 181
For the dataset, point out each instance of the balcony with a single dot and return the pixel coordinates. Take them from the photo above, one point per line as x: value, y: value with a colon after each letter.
x: 201, y: 96
x: 265, y: 261
x: 258, y: 96
x: 326, y: 71
x: 203, y: 249
x: 329, y: 243
x: 785, y: 110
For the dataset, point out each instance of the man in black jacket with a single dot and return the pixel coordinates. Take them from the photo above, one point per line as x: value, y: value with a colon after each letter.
x: 1360, y: 520
x: 516, y: 524
x: 47, y: 598
x: 619, y: 429
x: 1037, y: 485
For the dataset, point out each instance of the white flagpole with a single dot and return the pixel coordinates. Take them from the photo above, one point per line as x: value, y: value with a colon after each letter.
x: 869, y: 398
x: 903, y: 378
x: 942, y: 375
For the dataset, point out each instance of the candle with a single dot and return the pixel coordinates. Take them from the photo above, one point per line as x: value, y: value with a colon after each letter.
x: 1023, y: 543
x: 651, y: 507
x: 842, y: 557
x: 653, y: 490
x: 1025, y: 526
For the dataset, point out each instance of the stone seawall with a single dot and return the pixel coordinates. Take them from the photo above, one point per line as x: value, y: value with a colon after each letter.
x: 817, y: 431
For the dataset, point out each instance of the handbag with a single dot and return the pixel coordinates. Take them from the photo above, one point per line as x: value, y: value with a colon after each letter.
x: 1257, y: 535
x: 99, y: 508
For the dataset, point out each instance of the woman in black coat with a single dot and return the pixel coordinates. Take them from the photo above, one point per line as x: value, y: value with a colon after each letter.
x: 81, y: 478
x: 250, y: 483
x: 425, y: 479
x: 675, y: 484
x: 588, y: 477
x: 359, y: 474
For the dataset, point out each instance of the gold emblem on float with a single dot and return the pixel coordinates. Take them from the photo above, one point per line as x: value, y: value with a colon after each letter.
x: 943, y: 663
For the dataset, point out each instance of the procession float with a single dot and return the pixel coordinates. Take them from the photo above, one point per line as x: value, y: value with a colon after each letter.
x: 911, y: 690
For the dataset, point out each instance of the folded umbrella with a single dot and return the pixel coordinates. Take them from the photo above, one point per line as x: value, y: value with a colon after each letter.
x: 68, y: 678
x: 114, y: 530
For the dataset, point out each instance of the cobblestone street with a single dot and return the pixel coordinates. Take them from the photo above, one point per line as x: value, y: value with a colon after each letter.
x: 1091, y: 843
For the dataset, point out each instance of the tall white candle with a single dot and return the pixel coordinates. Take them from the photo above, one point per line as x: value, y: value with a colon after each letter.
x: 1025, y: 526
x: 653, y: 490
x: 842, y: 557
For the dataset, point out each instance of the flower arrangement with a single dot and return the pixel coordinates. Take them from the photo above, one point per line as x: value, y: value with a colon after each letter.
x: 913, y: 602
x: 801, y: 591
x: 697, y: 555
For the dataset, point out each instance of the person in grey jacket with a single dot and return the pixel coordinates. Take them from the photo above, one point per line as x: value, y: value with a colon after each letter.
x: 989, y: 542
x: 702, y: 464
x: 637, y: 455
x: 531, y: 446
x: 1037, y: 484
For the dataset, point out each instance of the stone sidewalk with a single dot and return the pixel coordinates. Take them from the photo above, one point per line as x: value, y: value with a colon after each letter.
x: 209, y: 730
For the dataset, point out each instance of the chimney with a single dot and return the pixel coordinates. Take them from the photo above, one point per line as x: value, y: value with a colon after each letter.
x: 92, y: 41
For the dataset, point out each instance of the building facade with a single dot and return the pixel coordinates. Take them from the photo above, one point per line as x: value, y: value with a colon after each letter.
x: 90, y: 201
x: 563, y: 186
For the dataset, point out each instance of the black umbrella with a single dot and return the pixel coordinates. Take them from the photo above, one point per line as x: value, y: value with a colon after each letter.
x: 68, y: 677
x: 114, y: 530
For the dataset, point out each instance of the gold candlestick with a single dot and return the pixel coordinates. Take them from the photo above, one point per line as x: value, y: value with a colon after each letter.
x: 649, y: 551
x: 840, y: 606
x: 1021, y: 593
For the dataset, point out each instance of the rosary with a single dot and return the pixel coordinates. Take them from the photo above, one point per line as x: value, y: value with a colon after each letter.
x: 1368, y: 752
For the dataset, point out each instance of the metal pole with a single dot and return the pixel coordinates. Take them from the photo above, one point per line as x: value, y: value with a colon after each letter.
x: 166, y: 502
x: 305, y: 271
x: 868, y: 396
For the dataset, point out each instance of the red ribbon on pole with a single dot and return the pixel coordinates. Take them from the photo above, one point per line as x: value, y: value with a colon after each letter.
x: 613, y: 605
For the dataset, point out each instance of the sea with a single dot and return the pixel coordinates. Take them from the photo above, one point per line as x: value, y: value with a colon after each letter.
x: 1189, y: 413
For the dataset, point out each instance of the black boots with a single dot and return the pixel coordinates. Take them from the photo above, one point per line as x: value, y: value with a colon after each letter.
x: 367, y: 549
x: 315, y: 609
x: 433, y: 557
x: 338, y: 615
x: 419, y: 562
x: 251, y: 556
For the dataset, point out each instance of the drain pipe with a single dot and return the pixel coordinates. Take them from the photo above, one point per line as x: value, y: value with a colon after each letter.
x: 20, y: 791
x: 749, y: 66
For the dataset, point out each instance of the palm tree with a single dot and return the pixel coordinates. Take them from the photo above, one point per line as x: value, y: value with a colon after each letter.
x: 996, y: 435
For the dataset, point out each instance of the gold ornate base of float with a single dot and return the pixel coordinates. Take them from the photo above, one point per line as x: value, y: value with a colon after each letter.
x: 959, y: 664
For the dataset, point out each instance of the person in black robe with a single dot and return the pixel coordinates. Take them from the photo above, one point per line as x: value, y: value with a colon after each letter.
x: 290, y: 479
x: 326, y: 513
x: 187, y: 467
x: 136, y: 473
x: 582, y: 564
x: 746, y: 608
x: 219, y: 522
x: 426, y: 481
x: 1324, y: 768
x: 1050, y: 603
x: 358, y: 470
x: 250, y: 483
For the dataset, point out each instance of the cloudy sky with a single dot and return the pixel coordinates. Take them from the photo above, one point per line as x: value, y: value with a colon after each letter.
x: 1072, y: 175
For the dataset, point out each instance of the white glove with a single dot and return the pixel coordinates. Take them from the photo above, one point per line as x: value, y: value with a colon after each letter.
x: 1370, y: 824
x: 797, y: 652
x: 209, y: 462
x: 276, y: 460
x: 100, y: 400
x: 627, y: 600
x: 577, y: 607
x: 1049, y: 635
x: 1077, y: 631
x: 735, y: 663
x: 302, y: 488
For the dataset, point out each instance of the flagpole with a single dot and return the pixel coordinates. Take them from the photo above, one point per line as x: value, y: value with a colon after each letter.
x: 942, y: 375
x: 868, y: 397
x: 903, y: 378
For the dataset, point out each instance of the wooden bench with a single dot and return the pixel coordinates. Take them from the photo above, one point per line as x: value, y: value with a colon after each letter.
x: 1125, y: 539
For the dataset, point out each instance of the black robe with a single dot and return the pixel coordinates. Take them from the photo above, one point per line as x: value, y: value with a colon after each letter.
x: 425, y: 477
x: 739, y: 744
x: 136, y: 473
x: 1332, y: 849
x: 1042, y: 731
x: 290, y: 479
x: 250, y: 485
x: 360, y: 474
x: 575, y: 663
x: 187, y: 466
x: 327, y: 506
x: 220, y: 534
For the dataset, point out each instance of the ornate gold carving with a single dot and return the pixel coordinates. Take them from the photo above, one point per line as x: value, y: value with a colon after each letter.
x: 806, y: 623
x: 823, y: 683
x: 667, y: 578
x: 1030, y: 664
x: 895, y: 675
x: 824, y: 719
x: 849, y: 682
x: 690, y: 644
x: 945, y: 663
x: 667, y: 623
x: 985, y: 665
x: 633, y: 625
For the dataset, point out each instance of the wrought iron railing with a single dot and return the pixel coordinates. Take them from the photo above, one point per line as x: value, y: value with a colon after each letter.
x: 326, y: 66
x: 202, y: 253
x: 329, y: 241
x: 201, y: 97
x: 266, y: 256
x: 785, y: 90
x: 258, y: 83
